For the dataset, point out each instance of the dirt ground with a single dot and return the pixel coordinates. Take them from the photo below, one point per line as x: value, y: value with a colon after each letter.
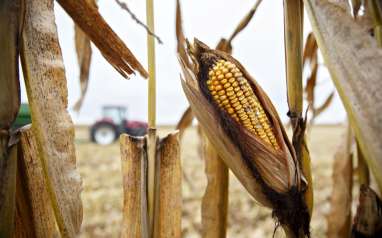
x: 102, y: 193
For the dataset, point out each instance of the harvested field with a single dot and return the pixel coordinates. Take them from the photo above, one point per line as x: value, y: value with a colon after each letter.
x: 102, y: 194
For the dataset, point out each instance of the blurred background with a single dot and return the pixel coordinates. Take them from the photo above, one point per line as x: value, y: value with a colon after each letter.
x: 259, y: 48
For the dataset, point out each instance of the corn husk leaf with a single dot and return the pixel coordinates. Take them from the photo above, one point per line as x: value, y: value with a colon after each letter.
x: 209, y: 119
x: 263, y: 171
x: 181, y: 40
x: 229, y: 150
x: 111, y: 46
x: 53, y: 129
x: 355, y: 63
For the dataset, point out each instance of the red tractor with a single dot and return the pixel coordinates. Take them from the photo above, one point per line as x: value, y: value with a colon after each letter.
x: 114, y: 123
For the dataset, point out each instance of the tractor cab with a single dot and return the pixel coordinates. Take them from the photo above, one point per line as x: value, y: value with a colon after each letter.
x: 115, y: 114
x: 113, y: 123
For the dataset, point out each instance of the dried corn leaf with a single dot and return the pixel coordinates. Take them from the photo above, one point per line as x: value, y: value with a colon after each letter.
x: 368, y: 219
x: 339, y: 217
x: 34, y: 218
x: 355, y: 63
x: 111, y: 46
x: 53, y: 129
x: 325, y: 105
x: 310, y: 49
x: 226, y: 45
x: 244, y: 22
x: 356, y: 5
x: 310, y: 86
x: 84, y: 55
x: 185, y: 122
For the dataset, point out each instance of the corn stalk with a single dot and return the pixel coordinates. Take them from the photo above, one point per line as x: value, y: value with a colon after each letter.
x: 132, y: 159
x: 11, y: 18
x: 355, y: 64
x: 53, y: 129
x: 215, y: 198
x: 152, y: 137
x: 340, y: 215
x: 293, y: 40
x: 363, y: 170
x: 33, y: 217
x: 168, y: 191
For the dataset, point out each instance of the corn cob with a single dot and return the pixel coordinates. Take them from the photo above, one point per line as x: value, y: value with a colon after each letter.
x: 232, y: 93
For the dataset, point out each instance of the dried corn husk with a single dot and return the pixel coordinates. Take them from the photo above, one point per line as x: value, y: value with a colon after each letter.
x: 272, y: 177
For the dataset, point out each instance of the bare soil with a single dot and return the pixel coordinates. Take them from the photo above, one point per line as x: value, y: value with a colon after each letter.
x: 102, y: 194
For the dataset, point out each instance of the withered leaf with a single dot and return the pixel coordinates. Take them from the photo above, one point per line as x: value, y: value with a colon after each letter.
x: 111, y: 46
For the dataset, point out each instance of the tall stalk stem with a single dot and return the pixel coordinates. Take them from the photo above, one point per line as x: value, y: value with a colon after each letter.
x: 151, y: 117
x: 293, y: 40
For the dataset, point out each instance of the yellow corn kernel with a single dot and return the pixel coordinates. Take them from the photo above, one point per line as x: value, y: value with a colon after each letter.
x: 233, y: 93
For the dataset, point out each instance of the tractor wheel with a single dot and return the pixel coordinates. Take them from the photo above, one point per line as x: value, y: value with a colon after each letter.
x: 138, y: 131
x: 103, y: 133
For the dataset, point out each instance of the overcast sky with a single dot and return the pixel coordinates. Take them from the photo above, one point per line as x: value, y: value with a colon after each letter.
x: 259, y: 48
